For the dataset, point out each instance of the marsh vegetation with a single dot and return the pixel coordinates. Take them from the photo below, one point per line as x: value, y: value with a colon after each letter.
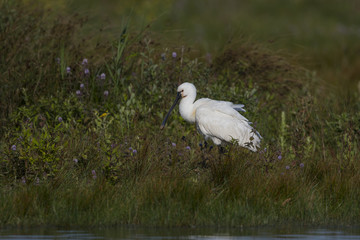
x: 81, y: 108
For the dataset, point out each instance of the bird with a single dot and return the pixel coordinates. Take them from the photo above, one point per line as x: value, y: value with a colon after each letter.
x: 219, y: 121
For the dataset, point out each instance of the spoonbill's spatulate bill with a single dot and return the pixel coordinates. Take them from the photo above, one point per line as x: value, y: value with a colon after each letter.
x: 219, y: 121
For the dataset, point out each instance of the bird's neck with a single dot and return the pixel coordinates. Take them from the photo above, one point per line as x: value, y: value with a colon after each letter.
x: 186, y: 109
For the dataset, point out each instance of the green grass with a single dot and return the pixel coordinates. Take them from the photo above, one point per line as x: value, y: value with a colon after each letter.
x: 94, y: 159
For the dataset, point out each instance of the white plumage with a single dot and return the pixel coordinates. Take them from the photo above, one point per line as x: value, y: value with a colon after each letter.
x: 216, y: 120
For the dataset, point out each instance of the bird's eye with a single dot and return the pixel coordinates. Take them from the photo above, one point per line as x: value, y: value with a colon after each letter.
x: 182, y: 90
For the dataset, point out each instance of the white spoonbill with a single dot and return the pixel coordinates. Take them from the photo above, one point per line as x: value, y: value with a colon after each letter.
x: 216, y: 120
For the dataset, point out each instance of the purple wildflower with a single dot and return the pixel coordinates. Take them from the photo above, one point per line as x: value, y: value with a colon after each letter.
x: 280, y: 157
x: 130, y: 149
x: 302, y: 165
x: 78, y: 93
x: 187, y: 148
x: 82, y: 85
x: 102, y: 76
x: 60, y: 119
x: 173, y: 144
x: 93, y: 174
x: 75, y: 160
x: 87, y: 71
x: 265, y: 149
x: 68, y: 70
x: 106, y: 93
x: 134, y: 151
x: 287, y: 167
x: 174, y: 54
x: 84, y: 62
x: 23, y: 180
x: 13, y: 147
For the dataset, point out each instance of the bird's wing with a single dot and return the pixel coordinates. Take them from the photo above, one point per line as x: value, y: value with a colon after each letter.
x: 227, y: 108
x: 219, y: 104
x: 220, y: 121
x: 222, y: 125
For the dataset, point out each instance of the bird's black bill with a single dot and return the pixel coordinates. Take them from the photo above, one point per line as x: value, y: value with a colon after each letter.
x: 178, y: 96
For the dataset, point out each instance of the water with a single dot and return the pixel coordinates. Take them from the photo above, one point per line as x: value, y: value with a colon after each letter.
x: 183, y: 233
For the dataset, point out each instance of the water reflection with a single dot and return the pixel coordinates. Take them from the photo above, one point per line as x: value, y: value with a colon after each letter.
x: 182, y: 233
x: 42, y: 234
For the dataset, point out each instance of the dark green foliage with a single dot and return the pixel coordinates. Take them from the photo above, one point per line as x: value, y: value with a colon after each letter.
x: 86, y: 149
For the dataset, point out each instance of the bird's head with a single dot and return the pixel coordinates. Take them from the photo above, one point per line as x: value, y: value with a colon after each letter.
x: 184, y: 90
x: 187, y: 89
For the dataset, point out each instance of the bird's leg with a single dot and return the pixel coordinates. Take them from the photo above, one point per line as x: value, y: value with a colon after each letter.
x: 205, y: 146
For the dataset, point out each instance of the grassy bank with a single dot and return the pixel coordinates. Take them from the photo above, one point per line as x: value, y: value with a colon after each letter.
x: 81, y: 144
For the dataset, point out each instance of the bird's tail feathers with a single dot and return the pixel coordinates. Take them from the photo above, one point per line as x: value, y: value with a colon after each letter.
x: 254, y: 141
x: 239, y: 107
x: 257, y: 133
